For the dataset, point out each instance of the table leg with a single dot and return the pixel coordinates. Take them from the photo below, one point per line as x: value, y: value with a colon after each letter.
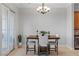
x: 26, y: 46
x: 38, y: 46
x: 57, y: 47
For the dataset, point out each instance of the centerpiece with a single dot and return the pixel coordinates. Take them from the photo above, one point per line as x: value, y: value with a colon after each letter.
x: 44, y: 33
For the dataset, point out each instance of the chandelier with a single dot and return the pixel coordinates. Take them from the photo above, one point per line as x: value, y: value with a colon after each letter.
x: 43, y: 9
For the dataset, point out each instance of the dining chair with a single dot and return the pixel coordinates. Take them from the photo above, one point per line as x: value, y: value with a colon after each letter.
x: 29, y: 48
x: 43, y: 45
x: 53, y: 45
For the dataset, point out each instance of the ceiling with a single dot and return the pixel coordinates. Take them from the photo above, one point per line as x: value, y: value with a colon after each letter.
x: 35, y: 5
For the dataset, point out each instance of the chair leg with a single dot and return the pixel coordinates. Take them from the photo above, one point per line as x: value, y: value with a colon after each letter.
x: 34, y: 49
x: 38, y: 50
x: 57, y: 50
x: 49, y: 49
x: 57, y: 47
x: 27, y: 49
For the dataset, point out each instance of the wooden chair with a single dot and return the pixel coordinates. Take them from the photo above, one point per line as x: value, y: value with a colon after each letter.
x: 53, y: 43
x: 43, y: 45
x: 55, y: 46
x: 28, y: 46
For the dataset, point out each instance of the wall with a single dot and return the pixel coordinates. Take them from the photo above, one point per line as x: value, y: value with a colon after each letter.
x: 70, y: 26
x: 58, y: 20
x: 54, y: 21
x: 0, y: 29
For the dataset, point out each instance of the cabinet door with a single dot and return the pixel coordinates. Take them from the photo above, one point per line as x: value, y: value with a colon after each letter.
x: 76, y: 29
x: 76, y: 20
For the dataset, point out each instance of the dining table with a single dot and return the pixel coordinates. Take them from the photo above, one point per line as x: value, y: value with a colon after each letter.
x: 50, y: 37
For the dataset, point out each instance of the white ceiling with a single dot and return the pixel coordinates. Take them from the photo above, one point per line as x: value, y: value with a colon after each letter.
x: 34, y: 5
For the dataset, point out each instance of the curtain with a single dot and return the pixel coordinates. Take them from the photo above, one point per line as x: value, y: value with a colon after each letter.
x: 7, y: 30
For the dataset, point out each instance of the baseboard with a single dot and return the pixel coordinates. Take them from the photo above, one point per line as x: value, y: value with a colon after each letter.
x: 69, y: 47
x: 10, y: 51
x: 62, y: 45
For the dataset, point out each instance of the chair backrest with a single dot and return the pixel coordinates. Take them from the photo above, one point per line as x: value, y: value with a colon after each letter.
x: 57, y: 35
x: 43, y: 40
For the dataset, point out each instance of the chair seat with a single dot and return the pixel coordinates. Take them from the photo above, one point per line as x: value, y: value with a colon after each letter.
x: 43, y: 50
x: 44, y: 45
x: 32, y: 42
x: 31, y: 48
x: 52, y: 43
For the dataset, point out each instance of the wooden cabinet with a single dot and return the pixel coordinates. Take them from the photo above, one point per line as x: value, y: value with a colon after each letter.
x: 76, y: 29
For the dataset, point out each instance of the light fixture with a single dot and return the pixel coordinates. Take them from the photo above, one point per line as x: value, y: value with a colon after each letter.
x: 43, y: 9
